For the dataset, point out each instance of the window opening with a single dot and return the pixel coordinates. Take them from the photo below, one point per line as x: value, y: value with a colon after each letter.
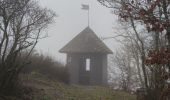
x: 87, y: 64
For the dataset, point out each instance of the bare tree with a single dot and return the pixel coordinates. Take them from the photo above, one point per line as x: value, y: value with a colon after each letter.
x: 125, y: 69
x: 154, y: 16
x: 134, y: 39
x: 21, y: 23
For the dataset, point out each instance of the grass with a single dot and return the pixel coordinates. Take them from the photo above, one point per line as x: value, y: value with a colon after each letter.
x: 46, y: 89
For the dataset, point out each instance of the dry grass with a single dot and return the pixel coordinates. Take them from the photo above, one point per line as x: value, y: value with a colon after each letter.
x: 45, y: 89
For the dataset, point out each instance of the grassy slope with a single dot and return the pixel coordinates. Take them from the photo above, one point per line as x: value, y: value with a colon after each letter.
x: 45, y: 89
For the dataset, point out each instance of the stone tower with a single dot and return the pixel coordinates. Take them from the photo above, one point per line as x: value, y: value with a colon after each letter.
x: 87, y: 59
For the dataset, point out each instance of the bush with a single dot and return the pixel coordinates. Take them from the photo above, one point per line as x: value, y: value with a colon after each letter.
x: 47, y: 66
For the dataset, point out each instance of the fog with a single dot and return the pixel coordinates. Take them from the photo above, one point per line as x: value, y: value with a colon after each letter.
x: 71, y: 20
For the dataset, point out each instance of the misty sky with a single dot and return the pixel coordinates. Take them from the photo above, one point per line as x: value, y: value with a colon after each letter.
x: 72, y: 20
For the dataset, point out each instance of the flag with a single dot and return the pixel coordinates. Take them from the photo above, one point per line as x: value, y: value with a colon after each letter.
x: 85, y: 7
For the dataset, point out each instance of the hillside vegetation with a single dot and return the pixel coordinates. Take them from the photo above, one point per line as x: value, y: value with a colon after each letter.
x: 45, y: 79
x: 43, y: 88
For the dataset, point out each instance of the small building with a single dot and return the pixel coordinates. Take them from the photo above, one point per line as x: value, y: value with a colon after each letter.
x: 87, y: 59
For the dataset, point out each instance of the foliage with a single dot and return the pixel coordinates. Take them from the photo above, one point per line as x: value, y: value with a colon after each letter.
x: 159, y: 57
x: 155, y: 17
x: 46, y: 66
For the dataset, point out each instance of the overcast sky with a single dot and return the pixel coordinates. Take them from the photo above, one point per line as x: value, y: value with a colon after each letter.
x: 72, y: 20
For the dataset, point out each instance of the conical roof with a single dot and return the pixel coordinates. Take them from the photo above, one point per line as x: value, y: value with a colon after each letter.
x: 86, y: 42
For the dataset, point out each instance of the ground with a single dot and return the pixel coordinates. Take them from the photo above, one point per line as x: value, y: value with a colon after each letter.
x: 43, y: 88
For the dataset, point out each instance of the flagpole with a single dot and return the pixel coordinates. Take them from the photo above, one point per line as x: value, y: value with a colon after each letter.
x: 86, y: 7
x: 88, y: 18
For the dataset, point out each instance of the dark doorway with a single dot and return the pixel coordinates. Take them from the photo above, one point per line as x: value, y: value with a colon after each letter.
x: 84, y: 71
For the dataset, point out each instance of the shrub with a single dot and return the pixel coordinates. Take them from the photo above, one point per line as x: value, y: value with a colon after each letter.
x: 46, y: 66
